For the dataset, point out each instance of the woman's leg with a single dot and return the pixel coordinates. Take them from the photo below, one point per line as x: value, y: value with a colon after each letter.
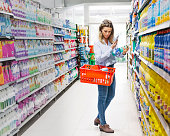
x: 110, y: 94
x: 102, y: 96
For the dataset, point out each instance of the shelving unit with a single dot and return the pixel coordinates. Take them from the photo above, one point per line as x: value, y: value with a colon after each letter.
x: 37, y: 111
x: 15, y: 105
x: 162, y: 120
x: 134, y: 38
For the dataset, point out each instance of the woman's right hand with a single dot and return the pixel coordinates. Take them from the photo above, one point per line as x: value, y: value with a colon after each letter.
x: 114, y: 44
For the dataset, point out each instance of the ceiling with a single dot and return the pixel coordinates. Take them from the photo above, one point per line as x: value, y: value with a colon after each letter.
x: 68, y: 3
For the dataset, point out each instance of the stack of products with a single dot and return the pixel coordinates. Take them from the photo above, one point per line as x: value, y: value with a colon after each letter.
x: 61, y: 82
x: 155, y: 13
x: 154, y: 48
x: 34, y: 102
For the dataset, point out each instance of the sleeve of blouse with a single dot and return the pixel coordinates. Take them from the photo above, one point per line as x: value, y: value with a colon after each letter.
x: 99, y: 57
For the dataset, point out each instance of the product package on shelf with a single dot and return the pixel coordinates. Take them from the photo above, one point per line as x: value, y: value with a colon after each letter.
x: 58, y: 57
x: 32, y: 47
x: 5, y: 25
x: 8, y: 122
x: 7, y: 48
x: 59, y: 31
x: 61, y: 82
x: 5, y: 6
x: 57, y: 22
x: 34, y: 102
x: 155, y: 13
x: 7, y: 98
x: 59, y: 39
x: 154, y: 48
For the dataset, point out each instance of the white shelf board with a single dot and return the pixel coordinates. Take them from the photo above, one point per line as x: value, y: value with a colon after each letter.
x: 64, y: 60
x: 24, y: 19
x: 156, y: 28
x: 6, y: 85
x: 143, y: 5
x: 33, y: 21
x: 13, y: 132
x: 30, y: 117
x: 58, y: 42
x: 136, y: 73
x: 58, y: 51
x: 161, y: 118
x: 59, y: 35
x: 130, y: 56
x: 58, y: 26
x: 6, y: 59
x: 1, y: 111
x: 32, y: 56
x: 6, y: 13
x: 161, y: 72
x: 6, y: 37
x: 34, y: 91
x: 71, y: 48
x: 34, y: 38
x: 23, y: 78
x: 136, y: 53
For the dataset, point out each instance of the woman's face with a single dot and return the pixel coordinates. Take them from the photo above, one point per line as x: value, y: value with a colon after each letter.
x: 106, y: 31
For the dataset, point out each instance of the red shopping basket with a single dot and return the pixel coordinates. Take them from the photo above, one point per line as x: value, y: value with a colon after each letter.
x: 94, y: 75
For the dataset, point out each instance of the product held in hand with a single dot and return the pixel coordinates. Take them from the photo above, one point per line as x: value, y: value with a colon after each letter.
x: 96, y: 74
x: 117, y: 52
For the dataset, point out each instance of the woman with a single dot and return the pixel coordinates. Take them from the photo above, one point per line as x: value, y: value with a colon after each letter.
x: 103, y: 55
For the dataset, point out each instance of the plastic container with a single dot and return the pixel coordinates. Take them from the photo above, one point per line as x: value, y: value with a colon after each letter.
x: 93, y: 74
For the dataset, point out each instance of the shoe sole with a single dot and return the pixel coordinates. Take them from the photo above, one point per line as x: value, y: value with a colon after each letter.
x: 105, y: 131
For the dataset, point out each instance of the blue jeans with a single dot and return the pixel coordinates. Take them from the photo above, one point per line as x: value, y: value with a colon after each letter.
x: 105, y: 95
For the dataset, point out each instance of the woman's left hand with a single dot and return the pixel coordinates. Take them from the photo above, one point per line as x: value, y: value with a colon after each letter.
x: 125, y: 50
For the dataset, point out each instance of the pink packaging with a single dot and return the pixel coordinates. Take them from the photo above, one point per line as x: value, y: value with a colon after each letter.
x: 10, y: 48
x: 4, y: 50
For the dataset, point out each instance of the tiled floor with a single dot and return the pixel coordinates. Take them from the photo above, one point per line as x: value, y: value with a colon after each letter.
x: 73, y: 113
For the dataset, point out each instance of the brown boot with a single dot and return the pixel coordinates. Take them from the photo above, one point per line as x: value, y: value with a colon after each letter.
x: 106, y: 128
x: 96, y: 122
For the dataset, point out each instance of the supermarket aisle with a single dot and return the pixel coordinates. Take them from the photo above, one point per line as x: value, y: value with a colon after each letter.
x: 74, y: 112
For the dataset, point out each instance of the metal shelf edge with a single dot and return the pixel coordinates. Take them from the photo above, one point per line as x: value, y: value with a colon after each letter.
x: 156, y: 28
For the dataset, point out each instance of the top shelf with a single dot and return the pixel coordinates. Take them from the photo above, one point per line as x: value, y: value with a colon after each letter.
x: 143, y: 6
x: 156, y: 28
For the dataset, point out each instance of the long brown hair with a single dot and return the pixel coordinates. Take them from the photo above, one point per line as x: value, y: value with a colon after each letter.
x: 106, y: 23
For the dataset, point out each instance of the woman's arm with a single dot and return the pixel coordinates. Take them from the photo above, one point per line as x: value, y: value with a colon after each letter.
x: 99, y: 56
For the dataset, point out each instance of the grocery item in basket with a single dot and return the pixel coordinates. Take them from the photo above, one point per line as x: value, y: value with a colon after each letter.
x: 104, y: 69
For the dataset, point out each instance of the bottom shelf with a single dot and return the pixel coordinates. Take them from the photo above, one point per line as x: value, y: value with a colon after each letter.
x: 37, y: 111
